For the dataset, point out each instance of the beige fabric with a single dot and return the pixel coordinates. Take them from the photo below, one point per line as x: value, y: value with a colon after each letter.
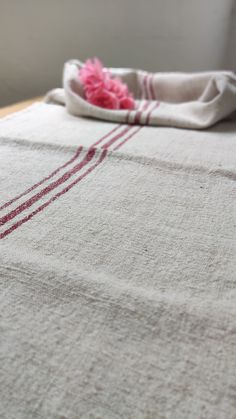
x: 118, y: 298
x: 179, y: 100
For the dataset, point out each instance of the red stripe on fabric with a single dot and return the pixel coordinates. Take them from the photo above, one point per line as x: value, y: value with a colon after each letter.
x: 107, y: 135
x: 46, y: 204
x: 43, y: 180
x: 89, y: 156
x: 150, y: 112
x: 138, y: 115
x: 146, y: 108
x: 56, y: 170
x: 123, y: 132
x: 25, y: 205
x: 127, y: 117
x: 129, y: 113
x: 127, y: 138
x: 12, y: 214
x: 67, y: 188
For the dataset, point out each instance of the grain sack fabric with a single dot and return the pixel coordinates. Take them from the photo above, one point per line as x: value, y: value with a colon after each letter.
x: 117, y: 269
x: 194, y: 100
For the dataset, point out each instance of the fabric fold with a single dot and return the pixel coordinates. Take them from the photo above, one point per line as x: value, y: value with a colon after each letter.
x: 181, y: 100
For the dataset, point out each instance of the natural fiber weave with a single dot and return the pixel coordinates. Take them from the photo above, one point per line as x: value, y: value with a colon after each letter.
x: 117, y: 269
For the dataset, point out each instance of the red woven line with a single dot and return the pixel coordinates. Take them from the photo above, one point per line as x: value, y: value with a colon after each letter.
x: 153, y: 96
x: 127, y: 138
x: 42, y: 181
x: 150, y: 112
x: 127, y: 117
x: 89, y: 156
x: 46, y: 204
x: 129, y: 113
x: 25, y: 205
x: 123, y: 132
x: 146, y: 107
x: 12, y: 214
x: 147, y: 104
x: 31, y: 188
x: 107, y: 135
x: 138, y: 115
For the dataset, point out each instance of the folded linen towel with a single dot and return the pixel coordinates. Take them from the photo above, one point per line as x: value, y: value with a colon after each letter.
x: 194, y: 100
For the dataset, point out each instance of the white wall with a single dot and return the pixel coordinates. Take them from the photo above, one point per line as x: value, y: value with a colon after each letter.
x: 232, y: 41
x: 37, y: 36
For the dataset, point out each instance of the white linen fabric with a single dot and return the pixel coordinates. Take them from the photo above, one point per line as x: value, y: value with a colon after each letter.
x: 193, y: 100
x: 117, y: 269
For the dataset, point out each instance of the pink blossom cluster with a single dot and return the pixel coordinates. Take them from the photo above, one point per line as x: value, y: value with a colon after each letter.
x: 101, y: 89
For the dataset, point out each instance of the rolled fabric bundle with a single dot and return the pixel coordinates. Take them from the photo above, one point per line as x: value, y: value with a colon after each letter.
x: 181, y: 100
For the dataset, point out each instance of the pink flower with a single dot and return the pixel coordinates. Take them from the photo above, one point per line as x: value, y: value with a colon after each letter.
x: 119, y: 88
x: 127, y: 103
x: 102, y: 90
x: 103, y: 98
x: 92, y: 74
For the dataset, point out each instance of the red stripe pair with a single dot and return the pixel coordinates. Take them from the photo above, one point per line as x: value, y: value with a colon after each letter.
x: 89, y: 157
x: 148, y: 87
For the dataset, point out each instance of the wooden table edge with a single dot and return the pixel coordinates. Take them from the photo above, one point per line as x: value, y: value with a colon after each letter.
x: 8, y: 110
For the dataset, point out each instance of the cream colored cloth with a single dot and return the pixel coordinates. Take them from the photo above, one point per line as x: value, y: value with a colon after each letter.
x: 194, y: 101
x: 117, y: 269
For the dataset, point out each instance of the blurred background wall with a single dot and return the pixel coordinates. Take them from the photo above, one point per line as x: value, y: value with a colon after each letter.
x: 37, y: 36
